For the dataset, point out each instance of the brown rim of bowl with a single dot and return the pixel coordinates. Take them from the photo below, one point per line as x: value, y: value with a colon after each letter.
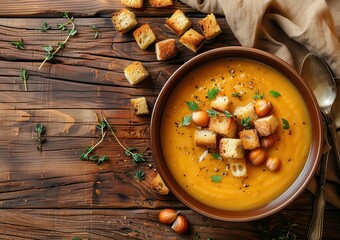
x: 307, y: 172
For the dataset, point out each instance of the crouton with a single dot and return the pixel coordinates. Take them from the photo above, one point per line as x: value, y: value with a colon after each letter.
x: 221, y: 103
x: 238, y: 167
x: 224, y: 126
x: 178, y: 23
x: 209, y: 26
x: 192, y: 40
x: 242, y: 112
x: 135, y: 73
x: 231, y: 148
x: 159, y: 186
x: 266, y: 125
x: 166, y: 49
x: 161, y: 3
x: 140, y: 106
x: 205, y: 138
x: 132, y: 3
x: 144, y: 36
x: 124, y: 20
x: 249, y: 139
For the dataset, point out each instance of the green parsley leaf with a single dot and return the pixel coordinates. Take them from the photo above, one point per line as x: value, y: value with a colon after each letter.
x: 258, y: 95
x: 212, y: 113
x: 285, y: 124
x: 186, y: 121
x: 139, y: 175
x: 245, y: 122
x: 227, y: 114
x: 236, y: 95
x: 193, y: 106
x: 216, y: 155
x: 274, y: 93
x: 216, y: 178
x: 212, y: 93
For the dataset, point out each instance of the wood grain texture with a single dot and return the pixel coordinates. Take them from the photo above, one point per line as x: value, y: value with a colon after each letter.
x: 52, y: 194
x: 143, y: 224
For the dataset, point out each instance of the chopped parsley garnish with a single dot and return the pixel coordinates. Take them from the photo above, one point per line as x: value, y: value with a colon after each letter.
x: 216, y: 178
x: 236, y: 95
x: 193, y: 106
x: 285, y: 124
x: 212, y: 93
x: 274, y: 93
x: 212, y: 113
x: 186, y: 121
x: 216, y: 155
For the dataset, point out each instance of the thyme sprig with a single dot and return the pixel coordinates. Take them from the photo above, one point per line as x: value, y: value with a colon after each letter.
x: 24, y: 76
x: 96, y: 30
x: 135, y: 157
x: 62, y: 26
x: 45, y: 26
x: 40, y: 130
x: 139, y: 175
x: 86, y: 155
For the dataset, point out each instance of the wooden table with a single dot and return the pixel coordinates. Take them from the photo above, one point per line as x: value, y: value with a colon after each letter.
x: 53, y: 194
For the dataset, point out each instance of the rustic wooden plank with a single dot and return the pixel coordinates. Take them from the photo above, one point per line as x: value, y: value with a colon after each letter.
x: 80, y: 8
x: 143, y: 224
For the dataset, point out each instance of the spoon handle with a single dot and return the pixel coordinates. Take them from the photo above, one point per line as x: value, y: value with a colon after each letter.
x: 334, y: 139
x: 315, y: 230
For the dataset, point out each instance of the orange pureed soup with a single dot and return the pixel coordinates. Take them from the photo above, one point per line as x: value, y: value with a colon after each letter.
x: 192, y: 167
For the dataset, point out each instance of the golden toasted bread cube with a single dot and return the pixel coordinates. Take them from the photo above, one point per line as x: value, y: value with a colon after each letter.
x: 140, y: 106
x: 242, y: 112
x: 249, y: 139
x: 231, y: 148
x: 266, y: 125
x: 224, y: 126
x: 238, y: 167
x: 205, y: 138
x: 221, y: 103
x: 178, y: 22
x: 132, y: 3
x: 124, y: 20
x: 159, y: 186
x: 209, y: 26
x: 161, y: 3
x: 166, y: 49
x: 144, y: 36
x: 135, y: 73
x: 192, y: 40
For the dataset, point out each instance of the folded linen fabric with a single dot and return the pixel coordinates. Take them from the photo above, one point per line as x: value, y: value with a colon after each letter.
x: 288, y: 29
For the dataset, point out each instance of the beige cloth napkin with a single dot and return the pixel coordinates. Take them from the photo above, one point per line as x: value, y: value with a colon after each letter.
x: 288, y: 29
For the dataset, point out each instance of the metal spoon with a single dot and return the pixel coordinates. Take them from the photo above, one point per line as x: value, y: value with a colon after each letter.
x: 316, y: 72
x: 316, y: 225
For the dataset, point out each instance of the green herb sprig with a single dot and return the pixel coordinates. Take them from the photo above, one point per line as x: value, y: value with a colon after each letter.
x: 186, y: 121
x: 40, y: 130
x: 87, y: 154
x: 216, y: 178
x: 245, y: 122
x: 193, y: 106
x: 212, y: 113
x: 18, y: 44
x: 24, y: 76
x: 212, y: 93
x: 45, y: 26
x: 96, y: 29
x: 139, y: 175
x: 62, y: 26
x: 274, y: 93
x: 227, y: 114
x: 236, y: 95
x: 135, y: 157
x: 257, y: 95
x: 216, y: 155
x: 285, y: 124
